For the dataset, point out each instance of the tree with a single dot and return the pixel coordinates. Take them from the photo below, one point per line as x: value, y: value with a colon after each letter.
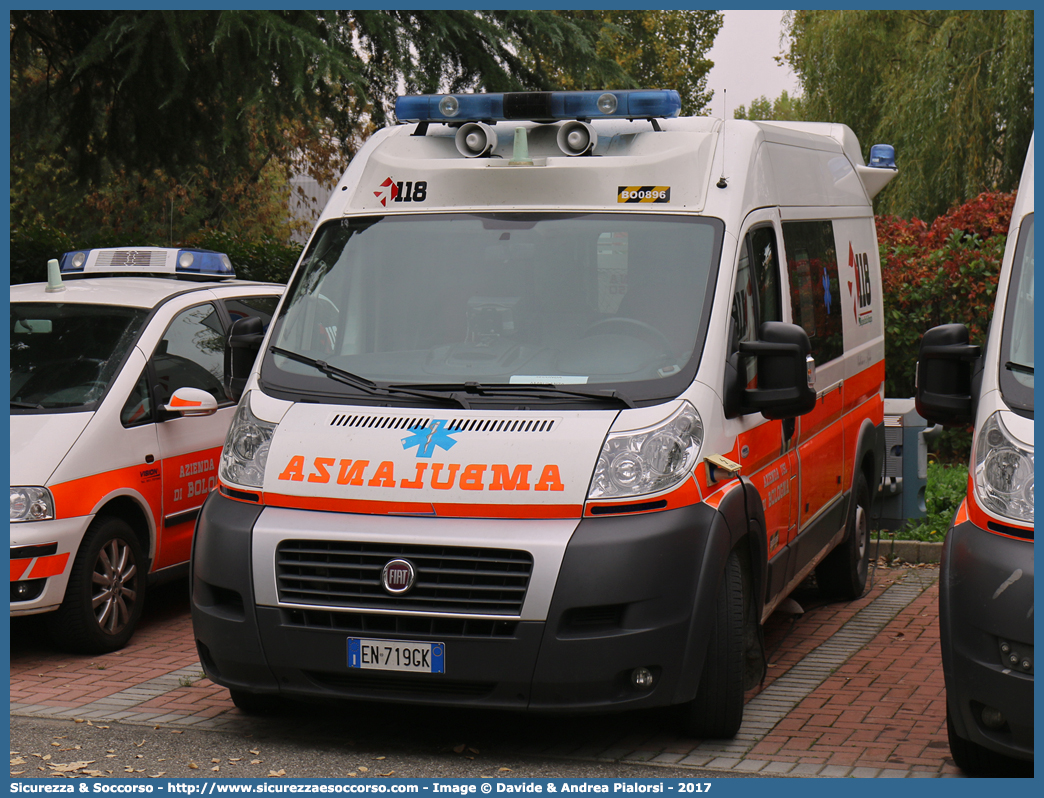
x: 952, y: 90
x: 134, y: 109
x: 783, y: 109
x: 655, y: 49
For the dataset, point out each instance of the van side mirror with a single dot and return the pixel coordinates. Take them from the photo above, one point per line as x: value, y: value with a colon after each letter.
x: 786, y: 374
x: 945, y: 363
x: 241, y: 348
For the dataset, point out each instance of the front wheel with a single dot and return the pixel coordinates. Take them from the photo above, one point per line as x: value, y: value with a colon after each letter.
x: 103, y: 600
x: 717, y: 710
x: 255, y: 703
x: 842, y: 574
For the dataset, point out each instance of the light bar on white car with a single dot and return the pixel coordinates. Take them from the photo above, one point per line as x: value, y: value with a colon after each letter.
x: 539, y: 106
x: 148, y: 260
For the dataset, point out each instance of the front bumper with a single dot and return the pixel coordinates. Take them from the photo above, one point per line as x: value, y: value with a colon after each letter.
x: 986, y: 618
x: 42, y: 554
x: 626, y: 592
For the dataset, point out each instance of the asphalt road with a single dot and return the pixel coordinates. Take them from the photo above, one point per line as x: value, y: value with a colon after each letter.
x: 45, y: 748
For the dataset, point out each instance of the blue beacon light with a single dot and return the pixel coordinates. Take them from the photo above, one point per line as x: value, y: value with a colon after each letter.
x: 539, y: 106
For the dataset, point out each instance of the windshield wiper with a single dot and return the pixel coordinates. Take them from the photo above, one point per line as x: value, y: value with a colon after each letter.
x: 27, y: 405
x: 365, y: 385
x: 528, y: 389
x: 1020, y: 367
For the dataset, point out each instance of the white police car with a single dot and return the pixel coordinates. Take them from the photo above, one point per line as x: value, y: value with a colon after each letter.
x: 119, y: 409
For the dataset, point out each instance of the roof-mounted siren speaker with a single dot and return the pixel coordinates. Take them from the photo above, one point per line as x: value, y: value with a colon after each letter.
x: 475, y: 139
x: 576, y: 138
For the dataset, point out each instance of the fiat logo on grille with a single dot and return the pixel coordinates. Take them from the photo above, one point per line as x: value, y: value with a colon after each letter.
x: 398, y: 577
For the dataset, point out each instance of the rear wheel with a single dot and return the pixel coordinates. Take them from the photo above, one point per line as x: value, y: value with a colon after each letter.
x: 842, y: 574
x: 717, y: 709
x: 103, y: 599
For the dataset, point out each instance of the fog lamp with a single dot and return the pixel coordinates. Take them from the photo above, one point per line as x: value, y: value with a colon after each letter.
x: 642, y: 678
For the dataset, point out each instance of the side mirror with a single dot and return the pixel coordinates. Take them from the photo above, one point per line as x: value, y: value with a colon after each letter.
x: 191, y: 402
x: 786, y: 374
x: 241, y: 348
x: 945, y: 363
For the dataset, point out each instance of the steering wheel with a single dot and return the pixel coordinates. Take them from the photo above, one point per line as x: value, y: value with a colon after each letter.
x: 641, y: 325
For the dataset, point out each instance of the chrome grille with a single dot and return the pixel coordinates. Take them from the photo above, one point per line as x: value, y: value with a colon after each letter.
x: 454, y: 579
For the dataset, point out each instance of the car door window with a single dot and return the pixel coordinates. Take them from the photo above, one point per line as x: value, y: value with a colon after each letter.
x: 815, y: 294
x: 757, y: 297
x: 138, y: 408
x: 191, y: 355
x: 263, y: 307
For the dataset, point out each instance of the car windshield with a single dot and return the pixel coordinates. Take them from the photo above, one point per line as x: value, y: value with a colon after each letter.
x: 65, y: 355
x: 499, y: 304
x: 1016, y: 361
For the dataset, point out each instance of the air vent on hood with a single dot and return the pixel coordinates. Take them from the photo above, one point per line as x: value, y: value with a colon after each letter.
x: 530, y: 425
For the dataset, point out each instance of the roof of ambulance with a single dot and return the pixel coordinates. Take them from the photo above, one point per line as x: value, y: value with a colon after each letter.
x: 135, y: 292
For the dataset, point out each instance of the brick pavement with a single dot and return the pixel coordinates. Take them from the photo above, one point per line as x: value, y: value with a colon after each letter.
x: 852, y: 689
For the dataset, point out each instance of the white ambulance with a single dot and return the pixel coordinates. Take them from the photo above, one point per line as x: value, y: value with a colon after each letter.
x: 565, y: 396
x: 986, y: 576
x: 118, y: 412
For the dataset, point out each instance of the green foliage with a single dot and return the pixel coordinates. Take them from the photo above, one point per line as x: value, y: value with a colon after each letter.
x: 783, y: 109
x: 938, y: 274
x: 159, y: 124
x: 952, y: 90
x: 654, y: 49
x: 255, y: 259
x: 944, y: 492
x: 260, y: 258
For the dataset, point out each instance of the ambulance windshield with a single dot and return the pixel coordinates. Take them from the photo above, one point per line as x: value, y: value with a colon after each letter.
x: 1016, y: 360
x: 618, y: 302
x: 64, y: 356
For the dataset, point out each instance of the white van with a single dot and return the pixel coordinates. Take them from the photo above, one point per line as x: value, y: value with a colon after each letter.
x: 986, y: 577
x: 118, y: 413
x: 525, y: 432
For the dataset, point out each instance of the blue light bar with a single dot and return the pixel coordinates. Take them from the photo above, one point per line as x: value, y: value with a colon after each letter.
x: 539, y: 106
x: 882, y: 156
x: 147, y: 260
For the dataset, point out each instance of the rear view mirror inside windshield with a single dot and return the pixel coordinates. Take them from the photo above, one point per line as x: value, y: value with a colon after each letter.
x: 32, y: 326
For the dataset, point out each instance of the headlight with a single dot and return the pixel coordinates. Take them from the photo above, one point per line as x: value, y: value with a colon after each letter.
x: 31, y: 504
x: 648, y: 460
x: 245, y: 454
x: 1003, y: 475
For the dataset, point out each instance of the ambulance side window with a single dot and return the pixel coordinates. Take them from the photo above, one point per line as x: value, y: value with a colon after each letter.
x: 191, y: 355
x: 757, y: 297
x: 815, y: 296
x: 138, y: 408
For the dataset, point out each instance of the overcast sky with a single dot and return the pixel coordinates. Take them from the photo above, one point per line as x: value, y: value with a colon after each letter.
x: 743, y: 54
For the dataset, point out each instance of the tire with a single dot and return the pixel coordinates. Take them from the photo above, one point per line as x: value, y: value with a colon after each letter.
x: 717, y: 710
x: 977, y: 760
x: 106, y: 591
x: 255, y: 703
x: 842, y: 574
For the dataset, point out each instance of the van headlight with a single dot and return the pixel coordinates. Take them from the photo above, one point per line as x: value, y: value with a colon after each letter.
x: 245, y: 455
x: 1003, y: 475
x: 31, y: 504
x: 649, y: 460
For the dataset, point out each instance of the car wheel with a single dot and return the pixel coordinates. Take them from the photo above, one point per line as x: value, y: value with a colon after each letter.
x: 106, y: 589
x: 842, y: 574
x: 717, y: 710
x: 255, y: 703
